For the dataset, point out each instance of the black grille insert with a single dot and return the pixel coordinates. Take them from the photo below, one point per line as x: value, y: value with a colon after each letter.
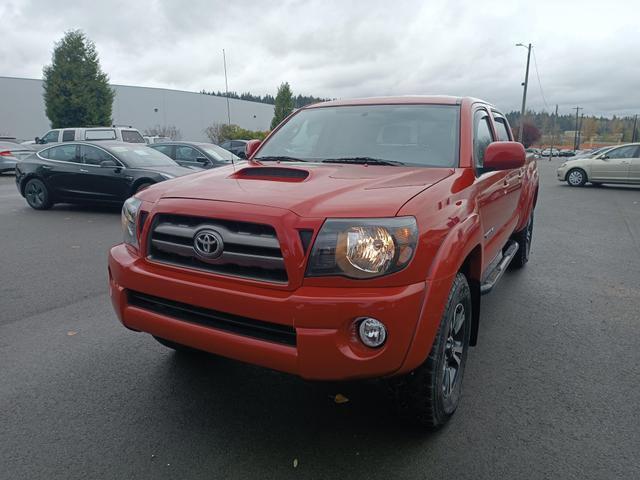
x: 227, y: 322
x: 251, y: 250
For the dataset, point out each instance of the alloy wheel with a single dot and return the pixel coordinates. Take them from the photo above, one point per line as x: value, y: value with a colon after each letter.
x: 453, y: 351
x: 575, y: 178
x: 35, y: 194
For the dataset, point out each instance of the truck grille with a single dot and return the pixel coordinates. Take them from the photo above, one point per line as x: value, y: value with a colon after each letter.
x: 251, y: 250
x: 247, y: 327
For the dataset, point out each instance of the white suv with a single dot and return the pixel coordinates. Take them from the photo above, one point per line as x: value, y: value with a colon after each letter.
x: 121, y: 134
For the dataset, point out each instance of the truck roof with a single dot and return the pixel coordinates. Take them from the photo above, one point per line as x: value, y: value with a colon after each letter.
x: 404, y: 99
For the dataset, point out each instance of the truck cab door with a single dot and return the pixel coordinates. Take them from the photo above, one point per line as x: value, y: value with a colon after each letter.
x: 493, y: 206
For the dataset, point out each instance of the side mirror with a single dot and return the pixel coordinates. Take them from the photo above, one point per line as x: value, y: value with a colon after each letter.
x: 604, y: 157
x: 252, y: 147
x: 504, y: 156
x: 202, y: 159
x: 38, y: 141
x: 108, y: 164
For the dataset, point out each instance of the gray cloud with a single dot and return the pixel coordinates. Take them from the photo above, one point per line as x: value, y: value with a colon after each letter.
x: 585, y: 51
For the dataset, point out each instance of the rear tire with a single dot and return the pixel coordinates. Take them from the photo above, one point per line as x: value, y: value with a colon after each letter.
x: 576, y: 177
x: 37, y: 194
x: 523, y: 237
x: 431, y: 393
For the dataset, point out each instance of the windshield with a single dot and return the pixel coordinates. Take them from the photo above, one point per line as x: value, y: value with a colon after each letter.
x: 141, y: 156
x: 412, y: 135
x: 220, y: 154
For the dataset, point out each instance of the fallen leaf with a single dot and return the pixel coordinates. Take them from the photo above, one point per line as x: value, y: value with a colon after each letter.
x: 295, y: 463
x: 71, y: 333
x: 339, y: 398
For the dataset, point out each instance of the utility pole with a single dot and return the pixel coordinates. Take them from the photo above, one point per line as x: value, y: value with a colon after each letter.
x: 635, y: 123
x: 524, y: 92
x: 579, y: 131
x: 553, y: 133
x: 226, y: 85
x: 575, y: 134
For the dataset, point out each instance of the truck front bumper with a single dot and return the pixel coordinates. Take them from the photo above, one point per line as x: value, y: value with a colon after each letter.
x: 315, y: 327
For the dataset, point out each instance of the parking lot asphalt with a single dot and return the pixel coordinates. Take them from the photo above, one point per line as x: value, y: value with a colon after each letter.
x: 551, y: 390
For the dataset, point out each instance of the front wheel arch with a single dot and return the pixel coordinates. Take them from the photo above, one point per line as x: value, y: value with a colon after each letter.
x: 139, y: 183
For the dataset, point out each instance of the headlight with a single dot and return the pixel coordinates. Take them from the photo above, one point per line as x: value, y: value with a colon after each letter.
x: 563, y: 165
x: 130, y: 211
x: 363, y: 248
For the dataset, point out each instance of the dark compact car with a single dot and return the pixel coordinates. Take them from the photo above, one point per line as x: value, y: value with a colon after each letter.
x: 195, y: 154
x: 88, y: 172
x: 11, y: 153
x: 238, y: 147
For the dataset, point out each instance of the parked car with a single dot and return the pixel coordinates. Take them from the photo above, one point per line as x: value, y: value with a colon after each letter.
x: 565, y: 152
x: 553, y: 152
x: 195, y: 154
x: 613, y: 165
x: 89, y: 172
x: 92, y: 134
x: 11, y: 153
x: 355, y: 243
x: 151, y: 139
x: 237, y: 147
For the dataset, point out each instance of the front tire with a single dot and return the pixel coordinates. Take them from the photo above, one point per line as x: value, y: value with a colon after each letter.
x: 431, y: 393
x: 37, y: 194
x: 576, y: 177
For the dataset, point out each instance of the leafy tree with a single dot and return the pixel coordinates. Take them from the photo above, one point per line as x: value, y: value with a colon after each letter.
x: 284, y: 104
x: 76, y: 90
x: 530, y: 135
x: 220, y: 132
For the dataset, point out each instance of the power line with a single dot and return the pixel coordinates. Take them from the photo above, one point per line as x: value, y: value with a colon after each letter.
x: 535, y: 64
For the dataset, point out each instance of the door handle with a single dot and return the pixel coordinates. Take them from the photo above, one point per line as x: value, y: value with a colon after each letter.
x: 82, y: 170
x: 46, y: 167
x: 505, y: 183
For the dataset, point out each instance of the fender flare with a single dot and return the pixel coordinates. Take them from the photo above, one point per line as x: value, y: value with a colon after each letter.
x: 456, y: 247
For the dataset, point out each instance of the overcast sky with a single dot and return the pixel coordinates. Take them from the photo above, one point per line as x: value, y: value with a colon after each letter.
x: 587, y: 52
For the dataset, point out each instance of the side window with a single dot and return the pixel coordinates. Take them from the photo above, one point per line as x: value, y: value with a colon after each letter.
x: 501, y: 128
x: 623, y: 152
x: 166, y: 149
x: 68, y: 135
x: 100, y: 134
x: 132, y: 136
x: 93, y: 156
x: 187, y: 154
x: 226, y: 145
x: 50, y: 137
x: 482, y: 136
x: 63, y: 153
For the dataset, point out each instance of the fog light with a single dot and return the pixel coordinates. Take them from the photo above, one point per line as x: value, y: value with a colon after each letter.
x: 372, y: 332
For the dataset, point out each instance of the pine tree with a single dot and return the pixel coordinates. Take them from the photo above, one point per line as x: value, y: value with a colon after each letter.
x: 76, y: 90
x: 284, y: 104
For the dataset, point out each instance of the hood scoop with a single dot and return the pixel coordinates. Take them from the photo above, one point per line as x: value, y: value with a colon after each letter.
x: 276, y: 174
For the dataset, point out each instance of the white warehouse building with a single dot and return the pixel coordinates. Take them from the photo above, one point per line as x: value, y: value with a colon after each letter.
x: 22, y: 112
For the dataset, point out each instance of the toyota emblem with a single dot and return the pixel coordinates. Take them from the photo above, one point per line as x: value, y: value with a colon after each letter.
x: 208, y: 244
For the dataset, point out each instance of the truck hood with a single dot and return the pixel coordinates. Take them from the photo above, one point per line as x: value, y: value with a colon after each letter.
x: 309, y: 190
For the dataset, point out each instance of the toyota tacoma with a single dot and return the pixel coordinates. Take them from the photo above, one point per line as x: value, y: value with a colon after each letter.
x: 355, y: 242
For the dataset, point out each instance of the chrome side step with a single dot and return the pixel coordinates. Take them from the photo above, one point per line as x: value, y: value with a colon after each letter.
x: 494, y: 277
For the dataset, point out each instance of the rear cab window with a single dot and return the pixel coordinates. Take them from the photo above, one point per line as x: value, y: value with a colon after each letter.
x: 502, y: 130
x: 68, y: 135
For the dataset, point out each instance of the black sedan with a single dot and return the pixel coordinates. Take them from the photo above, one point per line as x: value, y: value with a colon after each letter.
x: 91, y: 172
x: 196, y: 154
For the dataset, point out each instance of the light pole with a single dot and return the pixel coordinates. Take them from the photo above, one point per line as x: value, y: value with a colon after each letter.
x: 524, y: 92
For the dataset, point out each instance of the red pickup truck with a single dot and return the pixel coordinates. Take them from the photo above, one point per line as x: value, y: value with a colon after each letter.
x: 355, y: 242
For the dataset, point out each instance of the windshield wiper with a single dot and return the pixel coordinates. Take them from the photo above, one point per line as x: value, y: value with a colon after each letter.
x: 278, y: 158
x: 362, y: 161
